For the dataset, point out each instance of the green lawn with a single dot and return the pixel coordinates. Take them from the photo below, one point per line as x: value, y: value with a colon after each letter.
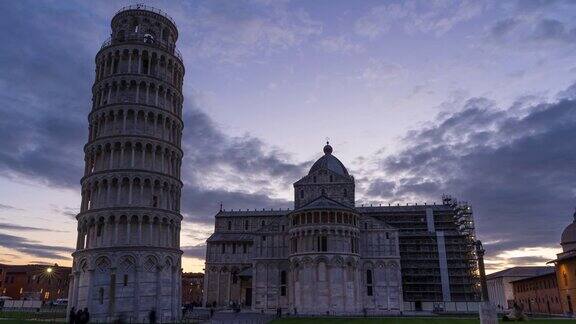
x: 31, y: 317
x: 391, y: 320
x: 302, y: 320
x: 16, y: 321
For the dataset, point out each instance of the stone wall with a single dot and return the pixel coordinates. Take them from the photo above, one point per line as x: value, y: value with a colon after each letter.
x: 324, y: 183
x: 122, y: 283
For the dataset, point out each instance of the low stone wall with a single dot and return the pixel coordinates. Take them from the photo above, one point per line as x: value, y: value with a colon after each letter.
x: 447, y: 307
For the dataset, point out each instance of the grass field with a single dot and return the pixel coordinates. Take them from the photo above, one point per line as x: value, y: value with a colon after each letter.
x: 391, y: 320
x: 31, y: 317
x: 422, y: 320
x: 16, y: 321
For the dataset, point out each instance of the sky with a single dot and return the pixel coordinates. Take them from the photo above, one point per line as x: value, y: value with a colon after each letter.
x: 476, y: 99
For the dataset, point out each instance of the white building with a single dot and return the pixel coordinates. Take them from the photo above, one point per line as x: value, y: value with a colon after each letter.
x: 328, y: 255
x: 127, y: 261
x: 324, y: 256
x: 500, y: 289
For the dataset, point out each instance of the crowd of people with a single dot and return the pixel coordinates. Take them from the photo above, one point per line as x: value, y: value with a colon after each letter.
x: 82, y: 316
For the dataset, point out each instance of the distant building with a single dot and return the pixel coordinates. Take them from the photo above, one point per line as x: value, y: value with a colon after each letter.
x: 565, y: 264
x: 192, y: 288
x: 34, y: 281
x: 538, y: 294
x: 329, y: 255
x: 500, y: 290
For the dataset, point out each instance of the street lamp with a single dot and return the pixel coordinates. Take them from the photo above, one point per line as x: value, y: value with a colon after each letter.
x: 49, y: 270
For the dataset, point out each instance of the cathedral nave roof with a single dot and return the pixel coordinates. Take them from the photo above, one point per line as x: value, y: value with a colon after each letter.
x: 325, y: 203
x: 230, y: 237
x: 255, y: 213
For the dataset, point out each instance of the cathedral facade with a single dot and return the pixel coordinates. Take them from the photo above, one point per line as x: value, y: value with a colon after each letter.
x: 322, y: 257
x: 328, y: 256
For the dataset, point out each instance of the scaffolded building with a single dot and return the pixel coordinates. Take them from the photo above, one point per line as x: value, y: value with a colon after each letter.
x: 328, y: 255
x: 437, y: 253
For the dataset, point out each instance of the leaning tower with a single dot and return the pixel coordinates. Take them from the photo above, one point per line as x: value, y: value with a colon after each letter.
x: 127, y: 261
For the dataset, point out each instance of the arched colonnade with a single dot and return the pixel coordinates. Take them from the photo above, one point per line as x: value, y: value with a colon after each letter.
x: 126, y: 189
x: 128, y: 228
x: 135, y: 121
x: 132, y: 153
x: 136, y: 59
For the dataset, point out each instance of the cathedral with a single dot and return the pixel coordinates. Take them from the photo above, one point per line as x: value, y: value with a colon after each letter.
x: 328, y: 256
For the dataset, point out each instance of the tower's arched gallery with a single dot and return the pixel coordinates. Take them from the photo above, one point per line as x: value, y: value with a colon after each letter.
x: 128, y: 259
x: 329, y: 256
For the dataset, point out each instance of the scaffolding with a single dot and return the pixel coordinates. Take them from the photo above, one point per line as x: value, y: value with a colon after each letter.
x: 419, y: 249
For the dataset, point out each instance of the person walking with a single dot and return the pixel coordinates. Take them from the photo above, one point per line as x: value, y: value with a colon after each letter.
x: 85, y: 316
x: 152, y: 317
x: 120, y: 320
x: 79, y: 316
x: 72, y: 316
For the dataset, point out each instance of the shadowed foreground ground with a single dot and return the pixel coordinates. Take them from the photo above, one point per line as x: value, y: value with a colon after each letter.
x: 420, y: 320
x: 18, y: 321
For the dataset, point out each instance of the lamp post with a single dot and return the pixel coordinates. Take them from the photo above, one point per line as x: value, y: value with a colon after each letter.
x: 480, y: 254
x: 488, y: 314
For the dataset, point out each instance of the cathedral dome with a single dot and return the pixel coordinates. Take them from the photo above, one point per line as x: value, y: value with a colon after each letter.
x: 568, y: 241
x: 329, y: 162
